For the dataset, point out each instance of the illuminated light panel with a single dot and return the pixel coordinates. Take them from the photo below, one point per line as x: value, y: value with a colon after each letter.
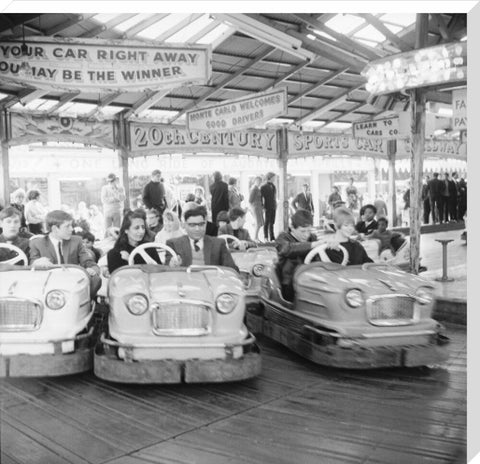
x: 132, y: 21
x: 344, y: 23
x: 212, y: 36
x: 189, y: 31
x: 402, y: 19
x: 417, y: 68
x: 163, y: 25
x: 370, y: 33
x: 104, y: 17
x: 324, y: 34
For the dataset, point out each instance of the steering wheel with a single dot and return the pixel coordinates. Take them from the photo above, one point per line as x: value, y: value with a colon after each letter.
x: 16, y: 259
x: 320, y: 250
x: 140, y: 250
x: 227, y: 237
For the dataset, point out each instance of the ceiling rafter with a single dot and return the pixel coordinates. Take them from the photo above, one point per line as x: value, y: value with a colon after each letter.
x: 13, y: 99
x: 72, y: 20
x: 105, y: 101
x: 287, y: 75
x: 315, y: 86
x: 379, y: 26
x: 224, y: 83
x: 442, y: 27
x: 32, y: 96
x: 142, y: 25
x: 144, y: 103
x: 343, y: 114
x: 109, y: 26
x: 204, y: 31
x: 349, y: 44
x: 177, y: 27
x: 310, y: 45
x: 64, y: 99
x: 327, y: 106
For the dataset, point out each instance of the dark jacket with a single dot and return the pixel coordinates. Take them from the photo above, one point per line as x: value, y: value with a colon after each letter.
x: 215, y: 252
x: 269, y: 195
x: 291, y: 253
x: 115, y: 260
x: 154, y: 196
x: 356, y: 253
x: 219, y: 192
x: 304, y: 202
x: 362, y: 228
x: 19, y: 242
x: 435, y: 187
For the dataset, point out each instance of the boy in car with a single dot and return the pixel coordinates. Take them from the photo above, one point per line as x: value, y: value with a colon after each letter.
x: 292, y: 247
x: 368, y: 223
x: 235, y: 228
x: 11, y: 222
x: 60, y: 246
x: 196, y: 247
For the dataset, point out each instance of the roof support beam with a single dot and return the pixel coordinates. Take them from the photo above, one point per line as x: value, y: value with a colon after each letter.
x: 326, y: 107
x: 71, y: 21
x: 142, y: 25
x: 103, y: 103
x: 64, y: 99
x: 287, y: 75
x: 177, y: 27
x: 314, y: 87
x: 222, y: 84
x: 203, y: 32
x: 146, y: 102
x: 350, y: 45
x: 108, y: 25
x: 379, y: 26
x: 442, y: 27
x: 343, y: 114
x: 32, y: 96
x: 13, y: 99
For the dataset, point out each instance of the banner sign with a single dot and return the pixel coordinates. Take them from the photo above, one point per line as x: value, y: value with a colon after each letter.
x: 436, y: 148
x: 309, y: 144
x: 385, y: 128
x: 239, y: 113
x: 154, y: 138
x: 103, y: 65
x: 459, y: 106
x: 417, y: 68
x: 27, y: 128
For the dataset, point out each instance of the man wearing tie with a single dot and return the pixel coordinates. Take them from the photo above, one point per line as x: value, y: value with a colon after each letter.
x: 304, y: 200
x: 196, y: 247
x: 60, y: 246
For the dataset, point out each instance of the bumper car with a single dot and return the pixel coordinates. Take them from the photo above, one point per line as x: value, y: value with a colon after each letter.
x: 173, y: 325
x: 358, y: 317
x: 45, y: 317
x: 251, y: 263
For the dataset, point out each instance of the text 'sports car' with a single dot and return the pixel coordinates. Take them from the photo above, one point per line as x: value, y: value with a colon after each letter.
x: 251, y: 264
x: 365, y: 316
x: 172, y: 325
x: 44, y: 320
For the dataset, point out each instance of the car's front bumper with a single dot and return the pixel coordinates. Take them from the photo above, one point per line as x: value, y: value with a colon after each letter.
x: 108, y: 366
x: 62, y: 360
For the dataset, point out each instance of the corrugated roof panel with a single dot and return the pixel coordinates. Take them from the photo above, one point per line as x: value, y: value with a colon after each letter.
x: 188, y: 31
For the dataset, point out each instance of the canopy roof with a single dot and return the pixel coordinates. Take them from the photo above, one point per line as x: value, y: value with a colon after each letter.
x: 321, y: 69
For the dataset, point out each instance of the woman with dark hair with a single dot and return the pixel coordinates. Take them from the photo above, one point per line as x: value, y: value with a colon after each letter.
x: 34, y: 212
x: 131, y: 235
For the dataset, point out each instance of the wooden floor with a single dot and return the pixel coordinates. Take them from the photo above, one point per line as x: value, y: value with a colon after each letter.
x: 295, y: 412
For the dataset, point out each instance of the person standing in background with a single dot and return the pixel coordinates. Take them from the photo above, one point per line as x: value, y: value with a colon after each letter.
x: 304, y: 200
x: 235, y: 198
x: 434, y: 191
x: 112, y: 196
x: 462, y: 198
x: 219, y: 192
x: 18, y: 197
x: 34, y: 212
x: 255, y: 201
x: 452, y: 197
x: 153, y: 195
x: 268, y: 193
x: 381, y: 206
x: 334, y: 197
x: 425, y: 196
x: 352, y: 194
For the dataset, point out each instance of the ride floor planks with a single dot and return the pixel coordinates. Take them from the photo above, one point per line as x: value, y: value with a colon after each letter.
x: 295, y: 411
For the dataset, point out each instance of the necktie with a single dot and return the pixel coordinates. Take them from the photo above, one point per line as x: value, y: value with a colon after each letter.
x: 60, y: 254
x: 195, y: 245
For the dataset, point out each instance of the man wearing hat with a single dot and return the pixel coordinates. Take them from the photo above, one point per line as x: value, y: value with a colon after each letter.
x: 154, y: 193
x: 113, y: 198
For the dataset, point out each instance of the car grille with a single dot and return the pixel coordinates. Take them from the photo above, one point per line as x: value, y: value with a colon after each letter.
x: 391, y: 310
x: 246, y: 279
x: 181, y: 319
x: 18, y: 315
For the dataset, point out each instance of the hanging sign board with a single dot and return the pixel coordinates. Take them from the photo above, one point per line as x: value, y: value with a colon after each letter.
x: 459, y: 106
x: 240, y: 113
x: 385, y: 128
x: 95, y: 65
x: 151, y: 138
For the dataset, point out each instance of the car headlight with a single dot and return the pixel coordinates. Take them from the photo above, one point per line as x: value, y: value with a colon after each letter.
x: 257, y: 270
x: 137, y: 304
x: 226, y: 302
x: 354, y: 298
x: 55, y: 299
x: 424, y: 295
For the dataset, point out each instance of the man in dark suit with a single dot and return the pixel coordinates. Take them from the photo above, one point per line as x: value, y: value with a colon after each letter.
x: 435, y: 188
x: 219, y: 192
x: 268, y: 192
x: 60, y: 246
x: 304, y: 199
x: 452, y: 197
x: 196, y: 247
x: 426, y: 200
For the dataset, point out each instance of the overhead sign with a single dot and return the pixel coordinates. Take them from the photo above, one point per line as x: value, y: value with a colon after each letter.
x: 103, y: 65
x: 26, y: 128
x: 310, y: 144
x: 459, y: 106
x: 385, y: 128
x: 154, y: 138
x: 417, y: 68
x: 436, y: 148
x: 239, y: 113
